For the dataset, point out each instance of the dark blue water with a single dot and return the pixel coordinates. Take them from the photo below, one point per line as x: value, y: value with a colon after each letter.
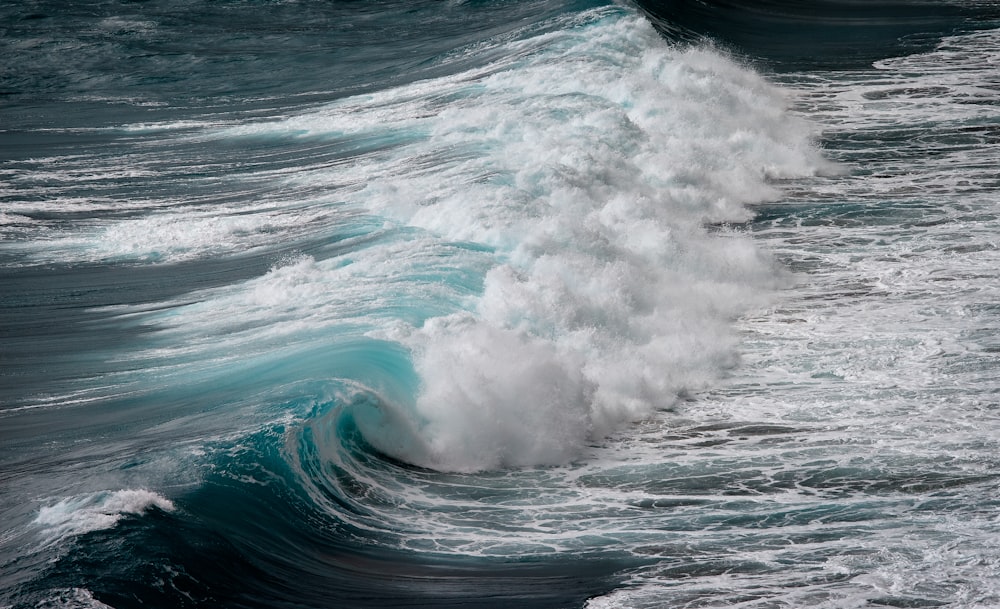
x: 499, y: 303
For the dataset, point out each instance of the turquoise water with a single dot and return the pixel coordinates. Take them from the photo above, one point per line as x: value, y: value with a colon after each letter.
x: 547, y: 304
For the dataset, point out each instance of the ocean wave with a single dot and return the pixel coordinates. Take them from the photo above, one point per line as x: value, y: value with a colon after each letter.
x: 579, y: 206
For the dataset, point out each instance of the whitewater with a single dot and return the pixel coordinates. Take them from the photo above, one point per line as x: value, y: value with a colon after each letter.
x: 546, y: 304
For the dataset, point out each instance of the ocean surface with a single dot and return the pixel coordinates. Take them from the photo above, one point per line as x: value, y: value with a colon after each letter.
x: 499, y: 303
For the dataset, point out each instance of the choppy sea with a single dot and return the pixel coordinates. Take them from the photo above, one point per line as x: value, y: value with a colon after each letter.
x: 499, y: 303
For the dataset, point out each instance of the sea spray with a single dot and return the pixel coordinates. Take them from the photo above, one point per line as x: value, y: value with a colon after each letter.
x: 608, y: 297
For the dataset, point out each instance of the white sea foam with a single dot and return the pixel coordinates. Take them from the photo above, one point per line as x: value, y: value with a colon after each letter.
x: 8, y: 219
x: 72, y: 598
x: 94, y: 512
x: 609, y: 297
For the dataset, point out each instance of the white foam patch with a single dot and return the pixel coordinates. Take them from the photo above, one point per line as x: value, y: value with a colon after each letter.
x: 95, y: 512
x: 72, y: 598
x: 175, y: 237
x: 172, y: 237
x: 8, y: 219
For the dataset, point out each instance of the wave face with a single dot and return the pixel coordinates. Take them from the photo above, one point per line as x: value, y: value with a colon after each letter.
x: 545, y: 303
